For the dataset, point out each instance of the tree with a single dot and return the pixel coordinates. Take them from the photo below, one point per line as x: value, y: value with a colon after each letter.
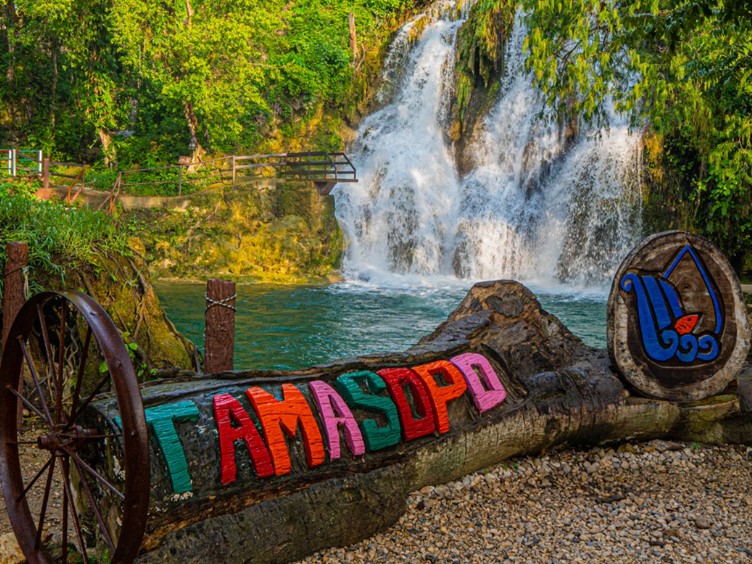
x: 54, y: 74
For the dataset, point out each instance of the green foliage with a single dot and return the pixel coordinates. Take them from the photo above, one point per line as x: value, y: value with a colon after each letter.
x: 59, y: 237
x: 683, y: 68
x: 133, y: 82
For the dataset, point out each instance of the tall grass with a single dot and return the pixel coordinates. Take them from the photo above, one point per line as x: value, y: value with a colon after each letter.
x: 59, y: 237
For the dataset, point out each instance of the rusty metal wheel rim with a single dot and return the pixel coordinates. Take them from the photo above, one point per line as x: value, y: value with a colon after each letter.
x: 65, y: 436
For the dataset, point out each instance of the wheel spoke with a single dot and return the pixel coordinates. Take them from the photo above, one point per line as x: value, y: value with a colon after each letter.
x: 81, y: 367
x: 65, y: 524
x: 60, y: 365
x: 88, y: 401
x: 34, y: 377
x: 69, y: 496
x: 92, y: 503
x: 43, y: 511
x: 20, y: 443
x: 46, y: 339
x: 34, y: 480
x: 102, y: 480
x: 27, y: 403
x: 100, y: 437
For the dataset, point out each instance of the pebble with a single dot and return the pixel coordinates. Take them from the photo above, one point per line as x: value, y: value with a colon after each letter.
x: 637, y: 502
x: 10, y: 552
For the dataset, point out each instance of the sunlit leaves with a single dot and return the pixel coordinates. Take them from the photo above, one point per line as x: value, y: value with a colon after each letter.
x: 246, y: 68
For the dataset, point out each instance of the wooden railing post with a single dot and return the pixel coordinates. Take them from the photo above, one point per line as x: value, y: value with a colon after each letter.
x: 233, y: 171
x: 46, y: 172
x: 219, y: 340
x: 14, y: 296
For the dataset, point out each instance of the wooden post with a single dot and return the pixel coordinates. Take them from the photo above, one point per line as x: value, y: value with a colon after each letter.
x: 14, y: 296
x: 219, y: 325
x: 233, y: 171
x: 180, y: 180
x: 46, y: 172
x: 353, y: 36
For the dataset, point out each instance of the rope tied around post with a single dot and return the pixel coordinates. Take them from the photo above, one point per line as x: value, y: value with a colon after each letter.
x: 224, y: 302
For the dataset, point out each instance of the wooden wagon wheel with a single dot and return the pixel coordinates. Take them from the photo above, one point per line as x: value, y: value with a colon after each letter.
x: 103, y: 472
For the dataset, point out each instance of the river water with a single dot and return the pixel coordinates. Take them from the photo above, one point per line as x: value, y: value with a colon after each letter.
x: 287, y: 327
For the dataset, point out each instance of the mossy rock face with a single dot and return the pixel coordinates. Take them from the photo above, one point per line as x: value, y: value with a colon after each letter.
x: 268, y: 233
x: 480, y: 63
x: 667, y: 201
x: 121, y: 286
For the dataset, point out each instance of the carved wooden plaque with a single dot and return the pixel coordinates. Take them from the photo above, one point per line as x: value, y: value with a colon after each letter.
x: 677, y: 324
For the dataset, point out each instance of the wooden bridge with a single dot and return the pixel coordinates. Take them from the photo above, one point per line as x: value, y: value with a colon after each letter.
x: 322, y: 168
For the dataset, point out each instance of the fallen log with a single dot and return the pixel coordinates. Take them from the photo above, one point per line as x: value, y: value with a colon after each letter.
x: 269, y: 466
x: 556, y: 391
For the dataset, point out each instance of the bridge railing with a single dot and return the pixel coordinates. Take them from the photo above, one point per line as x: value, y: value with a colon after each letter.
x: 316, y: 166
x: 319, y: 167
x: 324, y: 169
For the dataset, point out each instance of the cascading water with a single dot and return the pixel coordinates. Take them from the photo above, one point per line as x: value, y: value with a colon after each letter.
x: 399, y: 218
x: 539, y: 204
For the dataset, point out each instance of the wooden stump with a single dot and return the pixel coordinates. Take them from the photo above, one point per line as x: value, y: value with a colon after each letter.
x: 14, y: 295
x: 677, y: 325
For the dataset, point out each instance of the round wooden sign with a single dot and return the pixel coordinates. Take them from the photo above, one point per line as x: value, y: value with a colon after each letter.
x: 677, y: 323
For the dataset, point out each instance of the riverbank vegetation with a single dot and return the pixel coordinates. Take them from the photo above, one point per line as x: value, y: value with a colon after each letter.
x: 61, y: 239
x: 76, y: 248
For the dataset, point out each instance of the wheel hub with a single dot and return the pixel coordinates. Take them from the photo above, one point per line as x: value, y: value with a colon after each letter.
x: 60, y: 439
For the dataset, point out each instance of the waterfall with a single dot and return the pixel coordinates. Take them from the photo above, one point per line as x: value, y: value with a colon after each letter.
x: 539, y: 205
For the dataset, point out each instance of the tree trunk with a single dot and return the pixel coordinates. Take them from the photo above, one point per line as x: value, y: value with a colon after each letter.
x: 192, y: 122
x: 53, y: 87
x: 11, y: 30
x: 353, y: 37
x: 188, y: 13
x: 11, y: 25
x: 329, y: 454
x: 108, y: 150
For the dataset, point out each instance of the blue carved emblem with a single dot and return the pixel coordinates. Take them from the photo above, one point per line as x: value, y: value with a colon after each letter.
x: 667, y: 331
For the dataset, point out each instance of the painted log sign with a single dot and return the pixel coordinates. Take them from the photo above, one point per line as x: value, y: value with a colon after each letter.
x: 253, y: 426
x: 678, y: 327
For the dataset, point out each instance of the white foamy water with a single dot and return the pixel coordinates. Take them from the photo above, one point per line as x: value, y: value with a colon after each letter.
x: 538, y: 205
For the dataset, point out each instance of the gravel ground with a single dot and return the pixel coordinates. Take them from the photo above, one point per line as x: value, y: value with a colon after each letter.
x: 657, y: 502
